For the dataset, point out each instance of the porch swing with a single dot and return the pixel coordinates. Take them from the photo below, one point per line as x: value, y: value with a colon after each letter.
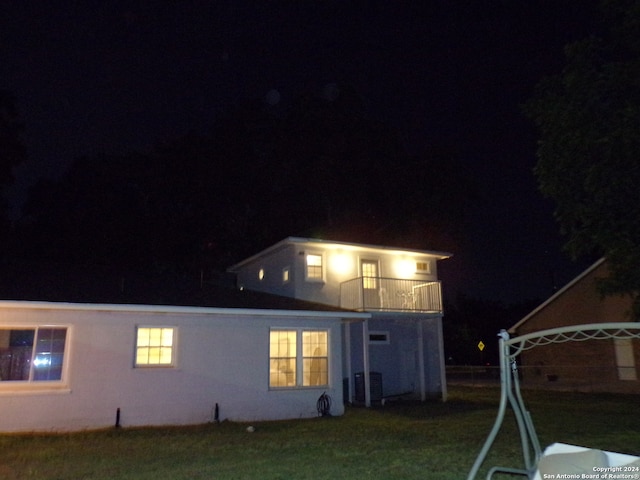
x: 558, y: 458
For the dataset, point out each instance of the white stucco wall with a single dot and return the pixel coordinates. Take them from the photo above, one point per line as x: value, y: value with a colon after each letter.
x: 222, y: 357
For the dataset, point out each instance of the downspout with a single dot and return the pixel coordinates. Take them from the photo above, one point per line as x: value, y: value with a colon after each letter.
x: 347, y: 343
x: 365, y: 360
x: 421, y: 370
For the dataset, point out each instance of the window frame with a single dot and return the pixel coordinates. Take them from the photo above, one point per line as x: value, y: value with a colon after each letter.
x: 423, y: 271
x: 367, y: 267
x: 301, y: 372
x: 173, y: 347
x: 33, y: 383
x: 314, y: 278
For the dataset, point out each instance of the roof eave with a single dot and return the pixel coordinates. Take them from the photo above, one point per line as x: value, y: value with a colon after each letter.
x: 553, y: 297
x: 190, y: 310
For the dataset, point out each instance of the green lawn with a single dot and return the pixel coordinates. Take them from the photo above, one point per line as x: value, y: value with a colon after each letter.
x: 427, y: 441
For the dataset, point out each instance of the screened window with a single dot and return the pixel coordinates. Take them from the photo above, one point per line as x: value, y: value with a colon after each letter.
x: 314, y: 267
x: 155, y: 346
x: 298, y: 358
x: 32, y: 354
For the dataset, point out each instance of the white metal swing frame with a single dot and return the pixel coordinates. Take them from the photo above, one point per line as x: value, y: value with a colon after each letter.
x: 510, y: 395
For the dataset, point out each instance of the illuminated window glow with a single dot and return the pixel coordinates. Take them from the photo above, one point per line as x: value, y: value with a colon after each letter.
x: 369, y: 274
x: 285, y: 275
x: 423, y: 267
x: 154, y: 346
x: 314, y: 267
x: 282, y: 358
x: 315, y: 358
x: 32, y: 354
x: 298, y: 358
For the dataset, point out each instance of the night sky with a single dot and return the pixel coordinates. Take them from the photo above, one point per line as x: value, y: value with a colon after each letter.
x: 111, y: 77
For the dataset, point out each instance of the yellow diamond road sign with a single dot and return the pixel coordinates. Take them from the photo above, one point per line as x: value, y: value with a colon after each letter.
x: 480, y: 346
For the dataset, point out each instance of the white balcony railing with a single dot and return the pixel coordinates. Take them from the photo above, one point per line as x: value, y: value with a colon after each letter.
x: 391, y: 294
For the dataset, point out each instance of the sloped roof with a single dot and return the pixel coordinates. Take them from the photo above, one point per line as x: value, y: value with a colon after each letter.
x: 556, y: 295
x: 54, y: 283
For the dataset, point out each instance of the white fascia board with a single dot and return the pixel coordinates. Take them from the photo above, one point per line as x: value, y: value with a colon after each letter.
x: 106, y: 307
x: 313, y: 242
x: 364, y: 246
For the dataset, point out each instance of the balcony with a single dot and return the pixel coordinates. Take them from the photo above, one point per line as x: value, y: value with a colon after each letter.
x: 391, y: 295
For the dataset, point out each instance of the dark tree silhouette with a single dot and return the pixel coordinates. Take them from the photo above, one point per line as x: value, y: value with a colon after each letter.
x: 12, y: 147
x: 588, y: 118
x: 321, y: 168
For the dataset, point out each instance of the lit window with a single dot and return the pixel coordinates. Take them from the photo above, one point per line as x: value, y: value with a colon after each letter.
x: 369, y: 274
x: 285, y: 275
x: 32, y: 354
x: 314, y: 267
x: 261, y: 274
x: 423, y: 267
x: 298, y: 358
x: 315, y: 360
x: 155, y: 346
x: 282, y: 358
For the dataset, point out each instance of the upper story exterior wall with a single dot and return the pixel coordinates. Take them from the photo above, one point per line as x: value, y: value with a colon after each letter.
x: 314, y: 270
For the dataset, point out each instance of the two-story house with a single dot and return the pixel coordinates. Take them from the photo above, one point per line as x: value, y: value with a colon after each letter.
x: 398, y: 350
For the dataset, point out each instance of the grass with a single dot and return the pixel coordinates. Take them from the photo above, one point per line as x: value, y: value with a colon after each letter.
x: 403, y: 441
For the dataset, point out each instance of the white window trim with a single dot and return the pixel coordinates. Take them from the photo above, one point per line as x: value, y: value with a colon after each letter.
x: 29, y: 387
x: 324, y: 268
x: 426, y: 271
x: 300, y: 359
x: 153, y: 366
x: 370, y: 283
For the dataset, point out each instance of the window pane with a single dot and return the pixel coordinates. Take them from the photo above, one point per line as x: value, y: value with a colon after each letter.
x: 142, y: 356
x: 315, y: 371
x: 32, y: 354
x: 282, y: 372
x: 16, y: 349
x: 315, y: 363
x: 154, y: 346
x: 167, y: 337
x: 155, y: 336
x: 283, y: 343
x: 143, y: 337
x: 314, y: 343
x: 282, y: 358
x: 49, y: 353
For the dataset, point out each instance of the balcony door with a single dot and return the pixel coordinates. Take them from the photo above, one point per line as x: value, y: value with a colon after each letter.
x: 369, y: 270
